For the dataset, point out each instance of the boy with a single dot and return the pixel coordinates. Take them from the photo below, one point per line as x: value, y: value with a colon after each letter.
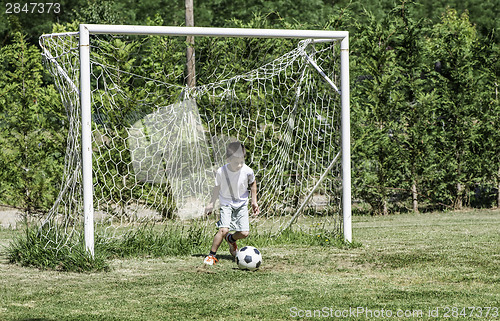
x: 231, y: 187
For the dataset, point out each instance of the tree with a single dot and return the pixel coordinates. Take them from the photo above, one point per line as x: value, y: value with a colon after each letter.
x: 31, y: 131
x: 414, y: 101
x: 391, y: 108
x: 488, y: 146
x: 455, y: 76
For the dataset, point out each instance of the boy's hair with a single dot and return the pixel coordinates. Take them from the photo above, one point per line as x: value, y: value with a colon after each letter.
x: 235, y: 149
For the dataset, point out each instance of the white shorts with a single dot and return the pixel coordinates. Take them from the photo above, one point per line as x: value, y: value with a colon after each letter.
x: 235, y: 219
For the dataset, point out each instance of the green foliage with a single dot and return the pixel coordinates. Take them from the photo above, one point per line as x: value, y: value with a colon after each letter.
x: 483, y: 13
x: 487, y: 148
x: 422, y: 101
x: 104, y: 12
x: 220, y: 13
x: 424, y: 97
x: 383, y: 99
x: 457, y: 81
x: 31, y: 130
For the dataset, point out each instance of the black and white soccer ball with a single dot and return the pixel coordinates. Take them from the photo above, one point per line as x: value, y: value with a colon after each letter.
x: 248, y: 258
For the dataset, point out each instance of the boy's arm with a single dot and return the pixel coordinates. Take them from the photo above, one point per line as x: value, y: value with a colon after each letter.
x: 255, y: 205
x: 215, y: 195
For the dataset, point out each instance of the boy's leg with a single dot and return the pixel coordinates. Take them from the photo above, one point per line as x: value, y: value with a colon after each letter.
x: 233, y: 248
x: 232, y: 238
x: 210, y: 259
x: 218, y: 238
x: 223, y: 225
x: 240, y: 235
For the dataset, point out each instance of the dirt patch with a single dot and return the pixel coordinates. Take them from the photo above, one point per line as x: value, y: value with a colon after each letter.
x: 10, y: 218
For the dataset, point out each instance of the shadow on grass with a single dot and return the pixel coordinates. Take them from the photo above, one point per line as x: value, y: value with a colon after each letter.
x: 224, y: 257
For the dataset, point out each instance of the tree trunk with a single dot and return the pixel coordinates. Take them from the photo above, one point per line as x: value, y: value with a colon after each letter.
x: 498, y: 188
x: 190, y: 58
x: 385, y: 209
x: 498, y: 194
x: 459, y: 200
x: 414, y: 196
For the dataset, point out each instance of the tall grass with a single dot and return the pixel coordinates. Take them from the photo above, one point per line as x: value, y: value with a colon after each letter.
x: 155, y: 241
x: 30, y: 249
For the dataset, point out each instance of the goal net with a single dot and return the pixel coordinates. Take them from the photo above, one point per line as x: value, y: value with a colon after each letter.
x: 155, y: 141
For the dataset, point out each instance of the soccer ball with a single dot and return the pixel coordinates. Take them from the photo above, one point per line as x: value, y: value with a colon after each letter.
x: 248, y: 258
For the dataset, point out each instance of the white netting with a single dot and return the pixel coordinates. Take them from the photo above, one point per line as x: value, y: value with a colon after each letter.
x: 156, y: 142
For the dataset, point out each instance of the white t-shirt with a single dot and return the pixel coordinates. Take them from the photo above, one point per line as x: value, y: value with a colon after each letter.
x: 238, y: 185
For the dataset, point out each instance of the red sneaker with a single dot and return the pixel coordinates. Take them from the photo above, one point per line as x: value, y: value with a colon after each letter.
x: 233, y: 248
x: 210, y: 260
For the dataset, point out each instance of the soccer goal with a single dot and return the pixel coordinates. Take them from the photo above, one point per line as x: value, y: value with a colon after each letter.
x: 143, y: 141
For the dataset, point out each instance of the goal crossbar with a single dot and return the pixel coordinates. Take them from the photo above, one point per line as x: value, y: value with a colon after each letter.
x: 325, y: 35
x: 85, y: 98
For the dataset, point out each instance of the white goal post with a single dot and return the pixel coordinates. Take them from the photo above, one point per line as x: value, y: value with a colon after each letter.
x: 295, y: 120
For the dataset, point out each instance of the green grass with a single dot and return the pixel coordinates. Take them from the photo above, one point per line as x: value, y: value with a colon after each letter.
x: 407, y: 263
x: 37, y: 247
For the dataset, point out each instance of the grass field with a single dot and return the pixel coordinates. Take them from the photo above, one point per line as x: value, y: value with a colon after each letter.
x: 437, y: 266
